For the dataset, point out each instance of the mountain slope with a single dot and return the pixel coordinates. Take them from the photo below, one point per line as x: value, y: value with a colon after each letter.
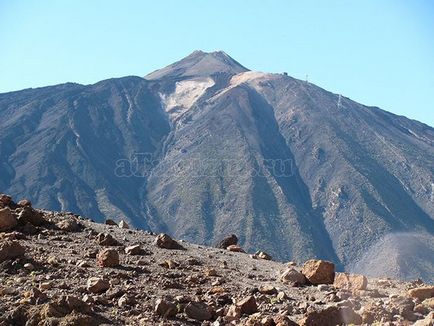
x: 205, y: 147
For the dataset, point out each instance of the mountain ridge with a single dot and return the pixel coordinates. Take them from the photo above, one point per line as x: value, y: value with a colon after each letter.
x: 357, y: 173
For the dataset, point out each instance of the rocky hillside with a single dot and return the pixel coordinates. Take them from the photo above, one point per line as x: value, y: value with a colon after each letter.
x: 57, y: 268
x: 206, y: 147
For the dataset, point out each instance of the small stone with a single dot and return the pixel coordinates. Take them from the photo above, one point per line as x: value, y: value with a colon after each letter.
x: 24, y: 203
x: 267, y: 289
x: 7, y: 220
x: 235, y: 248
x: 198, y: 311
x: 165, y: 241
x: 262, y: 255
x: 45, y: 285
x: 319, y: 271
x: 350, y: 282
x: 29, y: 266
x: 210, y: 272
x: 97, y: 285
x: 165, y: 308
x: 108, y: 258
x: 123, y: 225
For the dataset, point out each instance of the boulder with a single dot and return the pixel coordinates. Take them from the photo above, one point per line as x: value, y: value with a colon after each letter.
x: 5, y: 200
x: 293, y: 277
x: 165, y: 308
x: 7, y: 220
x: 331, y: 316
x: 105, y: 239
x: 198, y: 311
x: 247, y: 305
x: 350, y: 282
x: 31, y: 216
x: 165, y: 241
x: 10, y: 250
x: 228, y: 241
x: 69, y: 225
x: 108, y: 258
x: 110, y: 222
x: 97, y: 285
x: 319, y: 271
x: 422, y: 293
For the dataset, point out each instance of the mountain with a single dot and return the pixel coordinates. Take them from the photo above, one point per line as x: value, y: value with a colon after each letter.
x: 205, y: 147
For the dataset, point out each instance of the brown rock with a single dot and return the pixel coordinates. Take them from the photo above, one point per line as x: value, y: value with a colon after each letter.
x: 5, y: 200
x: 198, y: 311
x: 110, y: 222
x: 422, y: 293
x: 7, y: 220
x: 281, y: 320
x: 429, y: 303
x: 31, y: 216
x: 108, y: 258
x: 10, y: 250
x: 97, y: 285
x: 319, y: 271
x: 228, y: 241
x: 165, y: 241
x: 331, y: 316
x: 165, y: 308
x: 235, y: 248
x: 293, y: 277
x: 350, y: 281
x: 105, y: 239
x: 247, y: 305
x: 375, y: 313
x: 134, y: 250
x: 267, y: 289
x: 69, y: 225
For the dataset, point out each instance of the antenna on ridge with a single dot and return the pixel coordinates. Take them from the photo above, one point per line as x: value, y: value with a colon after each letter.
x: 307, y: 78
x: 339, y: 101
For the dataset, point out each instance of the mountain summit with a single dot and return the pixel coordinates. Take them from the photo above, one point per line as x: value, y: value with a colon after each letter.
x: 204, y: 148
x: 199, y: 64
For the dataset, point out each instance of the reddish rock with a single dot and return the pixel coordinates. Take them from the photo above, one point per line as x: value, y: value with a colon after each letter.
x: 110, y: 222
x: 350, y: 281
x: 7, y: 220
x: 108, y: 258
x: 24, y: 203
x: 319, y: 271
x: 69, y: 225
x: 247, y: 305
x: 31, y: 216
x: 331, y: 316
x: 422, y: 293
x: 105, y: 239
x: 97, y: 285
x: 134, y: 250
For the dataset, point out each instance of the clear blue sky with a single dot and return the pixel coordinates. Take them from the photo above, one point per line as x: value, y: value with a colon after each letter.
x: 375, y: 52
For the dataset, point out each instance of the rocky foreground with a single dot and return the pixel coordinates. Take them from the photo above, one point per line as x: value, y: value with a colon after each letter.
x: 57, y: 268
